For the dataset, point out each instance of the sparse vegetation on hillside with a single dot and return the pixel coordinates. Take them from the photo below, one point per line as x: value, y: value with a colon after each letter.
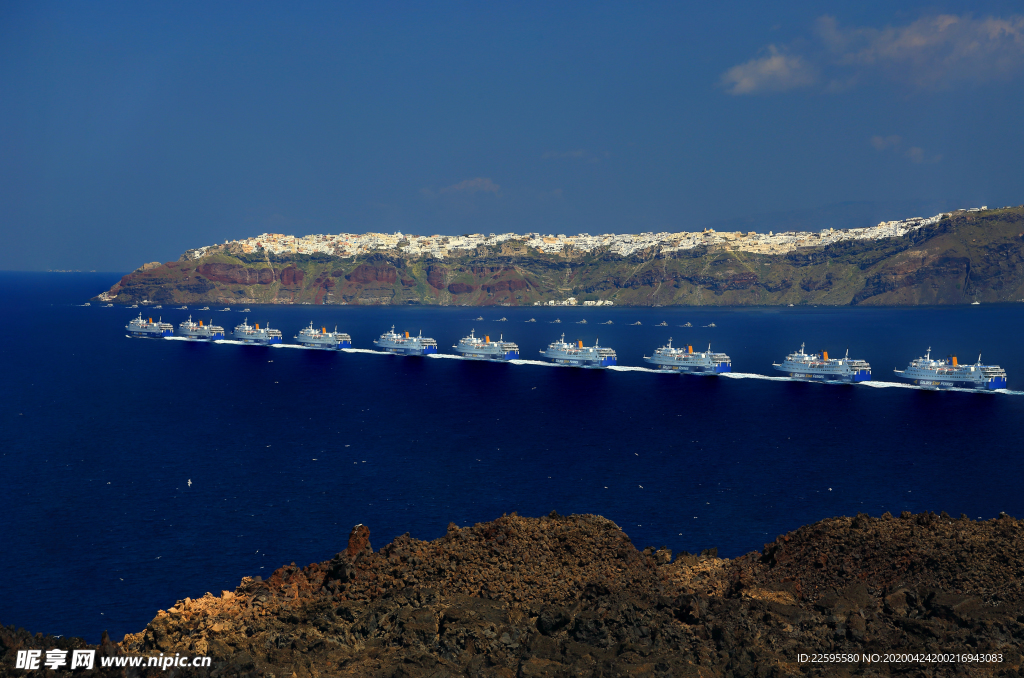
x: 966, y: 257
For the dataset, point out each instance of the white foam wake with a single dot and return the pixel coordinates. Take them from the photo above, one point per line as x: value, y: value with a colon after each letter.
x: 888, y: 384
x: 365, y: 350
x: 631, y: 368
x: 532, y: 362
x: 751, y: 375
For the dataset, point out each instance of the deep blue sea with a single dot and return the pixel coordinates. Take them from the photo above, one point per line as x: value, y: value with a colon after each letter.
x: 287, y: 449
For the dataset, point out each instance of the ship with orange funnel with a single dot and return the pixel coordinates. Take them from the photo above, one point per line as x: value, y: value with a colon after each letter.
x: 313, y: 337
x: 819, y: 367
x: 475, y: 348
x: 685, y: 360
x: 403, y: 344
x: 931, y: 373
x: 197, y: 331
x: 250, y: 334
x: 577, y: 355
x: 147, y: 329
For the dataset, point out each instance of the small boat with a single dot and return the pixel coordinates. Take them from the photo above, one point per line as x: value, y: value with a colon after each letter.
x: 687, y: 325
x: 636, y: 323
x: 245, y: 310
x: 608, y: 323
x: 973, y: 303
x: 532, y: 320
x: 581, y: 322
x: 88, y: 304
x: 480, y: 318
x: 502, y: 320
x: 205, y: 308
x: 134, y: 306
x: 109, y: 306
x: 555, y: 321
x: 226, y: 308
x: 791, y: 304
x: 711, y: 325
x: 158, y: 306
x: 662, y: 324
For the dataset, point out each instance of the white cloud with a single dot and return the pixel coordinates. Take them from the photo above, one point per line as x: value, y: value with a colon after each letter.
x: 775, y: 72
x: 577, y: 154
x: 915, y: 154
x: 918, y: 155
x: 469, y: 186
x: 881, y: 143
x: 932, y: 53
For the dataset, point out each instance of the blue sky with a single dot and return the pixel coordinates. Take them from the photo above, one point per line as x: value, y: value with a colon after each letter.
x: 130, y: 132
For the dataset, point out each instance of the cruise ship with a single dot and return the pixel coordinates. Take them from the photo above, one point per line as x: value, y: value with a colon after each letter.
x: 254, y: 335
x: 929, y: 373
x: 200, y: 332
x: 321, y: 338
x: 485, y: 349
x: 140, y: 327
x: 393, y: 342
x: 686, y: 361
x: 819, y: 367
x: 578, y: 355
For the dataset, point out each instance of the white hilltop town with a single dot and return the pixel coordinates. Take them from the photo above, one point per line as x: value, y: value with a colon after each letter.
x: 445, y: 246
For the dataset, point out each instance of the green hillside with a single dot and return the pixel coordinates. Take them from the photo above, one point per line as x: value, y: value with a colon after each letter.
x: 966, y: 257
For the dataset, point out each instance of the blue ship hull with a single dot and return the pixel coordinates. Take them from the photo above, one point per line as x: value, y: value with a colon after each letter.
x: 992, y: 385
x: 151, y: 335
x: 337, y: 347
x: 410, y: 351
x: 260, y: 342
x: 509, y: 355
x: 831, y: 378
x: 569, y: 362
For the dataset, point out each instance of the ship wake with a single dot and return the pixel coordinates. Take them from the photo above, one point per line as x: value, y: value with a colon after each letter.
x: 751, y: 375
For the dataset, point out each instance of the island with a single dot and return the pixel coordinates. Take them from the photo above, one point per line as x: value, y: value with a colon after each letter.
x: 960, y: 257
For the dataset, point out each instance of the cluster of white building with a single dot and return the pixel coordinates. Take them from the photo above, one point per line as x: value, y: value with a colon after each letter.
x: 572, y: 301
x: 443, y: 246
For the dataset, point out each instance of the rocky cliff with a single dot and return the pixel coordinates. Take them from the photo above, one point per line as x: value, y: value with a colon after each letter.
x: 571, y: 596
x: 964, y: 258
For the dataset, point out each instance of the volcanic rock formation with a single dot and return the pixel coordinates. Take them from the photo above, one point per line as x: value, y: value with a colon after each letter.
x: 572, y: 596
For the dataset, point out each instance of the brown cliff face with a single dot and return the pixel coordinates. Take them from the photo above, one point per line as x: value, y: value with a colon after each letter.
x: 571, y: 596
x: 373, y: 274
x: 235, y: 274
x: 963, y: 258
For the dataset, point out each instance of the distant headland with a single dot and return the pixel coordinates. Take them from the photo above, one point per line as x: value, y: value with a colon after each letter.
x: 954, y: 257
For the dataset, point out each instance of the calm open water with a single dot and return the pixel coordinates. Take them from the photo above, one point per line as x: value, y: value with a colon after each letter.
x: 288, y: 448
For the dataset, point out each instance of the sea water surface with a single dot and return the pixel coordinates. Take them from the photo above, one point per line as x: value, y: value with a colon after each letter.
x: 138, y: 472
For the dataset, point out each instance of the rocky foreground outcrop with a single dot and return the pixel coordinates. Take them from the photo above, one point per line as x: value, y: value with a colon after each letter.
x: 572, y: 596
